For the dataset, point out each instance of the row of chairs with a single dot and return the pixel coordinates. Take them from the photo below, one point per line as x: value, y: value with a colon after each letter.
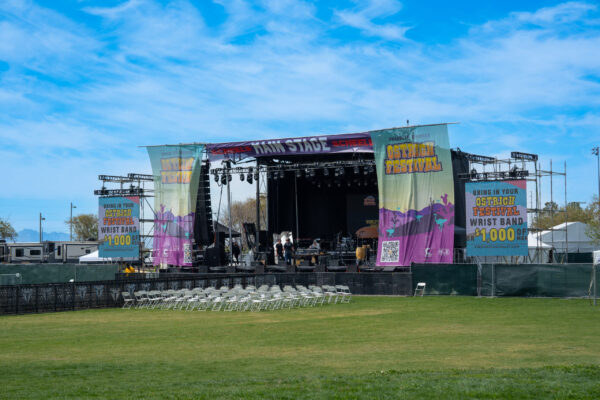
x: 238, y: 298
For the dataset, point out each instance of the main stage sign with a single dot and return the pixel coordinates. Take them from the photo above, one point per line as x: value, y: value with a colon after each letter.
x: 345, y: 143
x: 496, y: 218
x: 416, y: 195
x: 119, y: 227
x: 176, y: 171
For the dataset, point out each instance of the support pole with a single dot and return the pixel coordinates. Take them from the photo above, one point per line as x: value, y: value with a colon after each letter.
x: 296, y: 201
x: 257, y: 241
x: 229, y: 212
x: 566, y: 217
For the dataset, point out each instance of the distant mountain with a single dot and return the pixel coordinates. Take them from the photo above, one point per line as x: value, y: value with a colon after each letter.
x: 29, y: 235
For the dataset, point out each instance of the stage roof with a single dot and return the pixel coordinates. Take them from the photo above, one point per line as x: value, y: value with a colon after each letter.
x: 321, y: 144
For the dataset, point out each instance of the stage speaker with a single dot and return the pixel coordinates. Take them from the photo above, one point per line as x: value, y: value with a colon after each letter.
x: 214, y: 256
x: 265, y: 243
x: 203, y: 223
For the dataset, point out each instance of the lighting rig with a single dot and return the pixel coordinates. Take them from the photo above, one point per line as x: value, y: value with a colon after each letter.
x: 352, y: 172
x: 511, y: 172
x: 132, y: 190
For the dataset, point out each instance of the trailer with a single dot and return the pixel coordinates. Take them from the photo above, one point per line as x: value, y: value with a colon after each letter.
x: 45, y: 252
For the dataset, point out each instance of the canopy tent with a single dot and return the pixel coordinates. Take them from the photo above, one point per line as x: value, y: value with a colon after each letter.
x: 569, y: 236
x: 93, y: 257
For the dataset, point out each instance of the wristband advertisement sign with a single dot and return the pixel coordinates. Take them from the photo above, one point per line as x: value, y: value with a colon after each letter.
x: 496, y: 218
x: 119, y: 227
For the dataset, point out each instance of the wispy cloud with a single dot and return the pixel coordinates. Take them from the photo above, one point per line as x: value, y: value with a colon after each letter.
x: 364, y: 17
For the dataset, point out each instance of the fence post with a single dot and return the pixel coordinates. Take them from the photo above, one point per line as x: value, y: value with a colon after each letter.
x: 493, y: 280
x: 17, y: 295
x: 479, y: 278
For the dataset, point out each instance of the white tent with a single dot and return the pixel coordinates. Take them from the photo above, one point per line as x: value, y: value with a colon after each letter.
x: 95, y: 258
x: 538, y: 251
x: 571, y: 236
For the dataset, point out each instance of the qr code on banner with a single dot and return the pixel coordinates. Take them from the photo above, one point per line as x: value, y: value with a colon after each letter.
x: 187, y: 253
x: 390, y: 251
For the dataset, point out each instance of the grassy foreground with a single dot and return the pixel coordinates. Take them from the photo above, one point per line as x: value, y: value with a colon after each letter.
x: 375, y: 347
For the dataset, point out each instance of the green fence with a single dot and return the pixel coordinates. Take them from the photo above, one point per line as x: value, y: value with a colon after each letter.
x: 529, y: 280
x: 55, y: 273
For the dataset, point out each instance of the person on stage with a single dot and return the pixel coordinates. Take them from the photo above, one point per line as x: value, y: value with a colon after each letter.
x: 279, y: 251
x: 235, y: 250
x: 288, y: 250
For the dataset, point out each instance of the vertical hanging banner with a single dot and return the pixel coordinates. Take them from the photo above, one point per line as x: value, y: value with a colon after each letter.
x: 118, y: 227
x: 416, y: 195
x: 496, y: 218
x: 176, y: 171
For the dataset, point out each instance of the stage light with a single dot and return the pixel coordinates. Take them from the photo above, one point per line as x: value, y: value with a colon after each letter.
x: 326, y: 172
x: 249, y: 178
x: 229, y: 178
x: 223, y: 179
x: 216, y: 177
x: 281, y: 174
x: 356, y: 170
x: 269, y: 174
x: 342, y: 171
x: 242, y: 177
x: 348, y: 183
x: 298, y: 174
x: 256, y: 175
x: 366, y: 170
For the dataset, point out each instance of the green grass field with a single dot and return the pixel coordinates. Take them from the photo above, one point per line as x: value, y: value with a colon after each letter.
x: 374, y: 347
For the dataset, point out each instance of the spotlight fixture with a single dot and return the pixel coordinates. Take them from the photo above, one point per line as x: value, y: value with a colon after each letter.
x: 216, y: 177
x: 255, y: 175
x: 223, y: 179
x: 298, y: 174
x: 249, y: 178
x: 242, y: 177
x: 229, y: 178
x: 356, y: 170
x: 281, y: 174
x: 326, y: 172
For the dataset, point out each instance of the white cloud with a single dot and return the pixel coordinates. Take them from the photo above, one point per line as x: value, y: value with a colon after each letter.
x: 155, y: 74
x: 364, y: 18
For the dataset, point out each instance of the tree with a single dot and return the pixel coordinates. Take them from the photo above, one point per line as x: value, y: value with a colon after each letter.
x: 85, y: 226
x: 593, y: 230
x: 244, y: 211
x: 6, y: 230
x: 552, y: 215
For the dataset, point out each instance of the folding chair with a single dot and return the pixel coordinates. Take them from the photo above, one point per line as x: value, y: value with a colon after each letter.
x: 420, y: 288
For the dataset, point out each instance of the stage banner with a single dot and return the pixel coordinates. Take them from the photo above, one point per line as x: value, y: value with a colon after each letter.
x: 176, y: 171
x: 344, y: 143
x: 119, y: 227
x: 496, y: 218
x: 416, y: 195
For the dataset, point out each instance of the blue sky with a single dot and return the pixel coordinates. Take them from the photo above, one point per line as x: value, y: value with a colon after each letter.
x: 84, y: 83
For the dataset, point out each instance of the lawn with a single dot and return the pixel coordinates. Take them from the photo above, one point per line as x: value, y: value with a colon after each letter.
x: 374, y: 347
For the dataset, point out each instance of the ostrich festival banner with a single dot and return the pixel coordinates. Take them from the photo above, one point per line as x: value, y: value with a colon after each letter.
x: 176, y: 171
x: 416, y: 195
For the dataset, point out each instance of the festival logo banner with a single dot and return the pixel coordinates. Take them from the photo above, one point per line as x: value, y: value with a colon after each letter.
x: 416, y: 195
x: 118, y: 227
x: 496, y: 218
x: 176, y: 171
